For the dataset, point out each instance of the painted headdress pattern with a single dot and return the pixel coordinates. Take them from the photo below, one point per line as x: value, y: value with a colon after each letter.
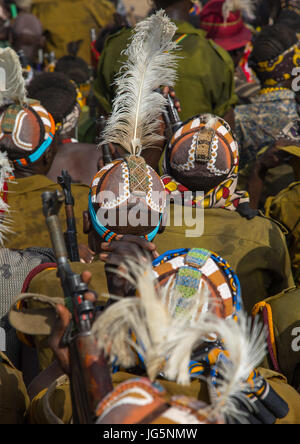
x: 200, y: 141
x: 165, y: 342
x: 135, y: 120
x: 27, y: 125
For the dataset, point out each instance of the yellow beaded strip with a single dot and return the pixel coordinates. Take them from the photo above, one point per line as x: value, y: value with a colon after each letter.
x: 268, y: 90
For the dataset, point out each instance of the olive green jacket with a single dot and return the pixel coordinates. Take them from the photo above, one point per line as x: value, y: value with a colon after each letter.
x: 285, y: 208
x: 255, y: 249
x: 61, y: 405
x: 205, y: 72
x: 66, y: 21
x: 14, y: 400
x: 28, y: 226
x: 281, y: 314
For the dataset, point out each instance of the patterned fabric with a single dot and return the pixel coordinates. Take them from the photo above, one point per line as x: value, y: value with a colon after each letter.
x: 267, y: 405
x: 258, y: 123
x: 223, y: 196
x: 69, y: 122
x: 279, y: 69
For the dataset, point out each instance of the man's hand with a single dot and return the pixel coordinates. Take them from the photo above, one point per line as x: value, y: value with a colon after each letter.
x: 273, y: 157
x: 114, y: 255
x: 86, y: 254
x: 168, y: 90
x: 116, y: 152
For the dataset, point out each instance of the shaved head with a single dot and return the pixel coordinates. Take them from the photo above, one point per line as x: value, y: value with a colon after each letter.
x: 27, y: 24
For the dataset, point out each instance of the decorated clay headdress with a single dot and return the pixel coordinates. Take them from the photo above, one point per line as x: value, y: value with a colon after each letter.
x: 26, y: 128
x: 166, y: 341
x: 135, y: 125
x: 203, y: 156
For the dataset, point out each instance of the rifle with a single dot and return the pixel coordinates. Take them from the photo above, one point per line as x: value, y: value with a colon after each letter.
x: 171, y: 117
x: 65, y: 181
x: 90, y: 378
x: 105, y: 148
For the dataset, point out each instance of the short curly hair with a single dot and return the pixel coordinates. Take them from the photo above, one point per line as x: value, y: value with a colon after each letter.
x: 56, y: 93
x: 75, y: 68
x: 165, y: 3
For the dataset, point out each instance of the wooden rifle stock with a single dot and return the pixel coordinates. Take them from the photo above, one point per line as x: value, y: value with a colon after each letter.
x: 90, y: 376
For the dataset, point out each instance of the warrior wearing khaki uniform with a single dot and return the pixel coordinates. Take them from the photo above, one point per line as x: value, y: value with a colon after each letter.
x: 203, y: 156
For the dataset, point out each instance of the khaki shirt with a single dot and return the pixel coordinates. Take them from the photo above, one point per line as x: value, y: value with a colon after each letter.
x: 61, y: 405
x: 28, y: 226
x: 285, y: 208
x: 47, y: 283
x: 255, y: 249
x: 14, y: 400
x: 66, y: 21
x: 205, y: 72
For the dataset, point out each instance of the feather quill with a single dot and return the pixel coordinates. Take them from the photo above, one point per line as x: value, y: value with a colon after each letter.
x: 135, y: 119
x: 13, y: 89
x: 245, y: 6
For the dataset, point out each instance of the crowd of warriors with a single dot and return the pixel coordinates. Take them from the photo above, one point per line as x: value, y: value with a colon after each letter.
x: 191, y: 110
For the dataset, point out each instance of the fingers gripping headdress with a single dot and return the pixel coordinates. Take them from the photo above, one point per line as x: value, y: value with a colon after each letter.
x: 136, y: 118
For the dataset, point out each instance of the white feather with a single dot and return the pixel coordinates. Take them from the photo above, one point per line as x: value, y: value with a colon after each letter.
x: 166, y: 339
x: 245, y: 6
x: 11, y: 70
x: 137, y: 108
x: 157, y: 327
x: 246, y: 347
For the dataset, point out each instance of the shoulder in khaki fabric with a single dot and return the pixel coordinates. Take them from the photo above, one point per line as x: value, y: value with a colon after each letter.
x: 14, y: 400
x: 68, y: 21
x: 285, y: 207
x: 284, y: 322
x: 255, y: 249
x: 201, y: 87
x: 47, y: 283
x: 29, y: 227
x: 60, y: 400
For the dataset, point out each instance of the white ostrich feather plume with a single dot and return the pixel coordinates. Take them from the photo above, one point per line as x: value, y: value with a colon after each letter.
x: 245, y: 6
x: 135, y: 120
x: 152, y: 322
x: 166, y: 340
x: 246, y: 347
x: 12, y: 88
